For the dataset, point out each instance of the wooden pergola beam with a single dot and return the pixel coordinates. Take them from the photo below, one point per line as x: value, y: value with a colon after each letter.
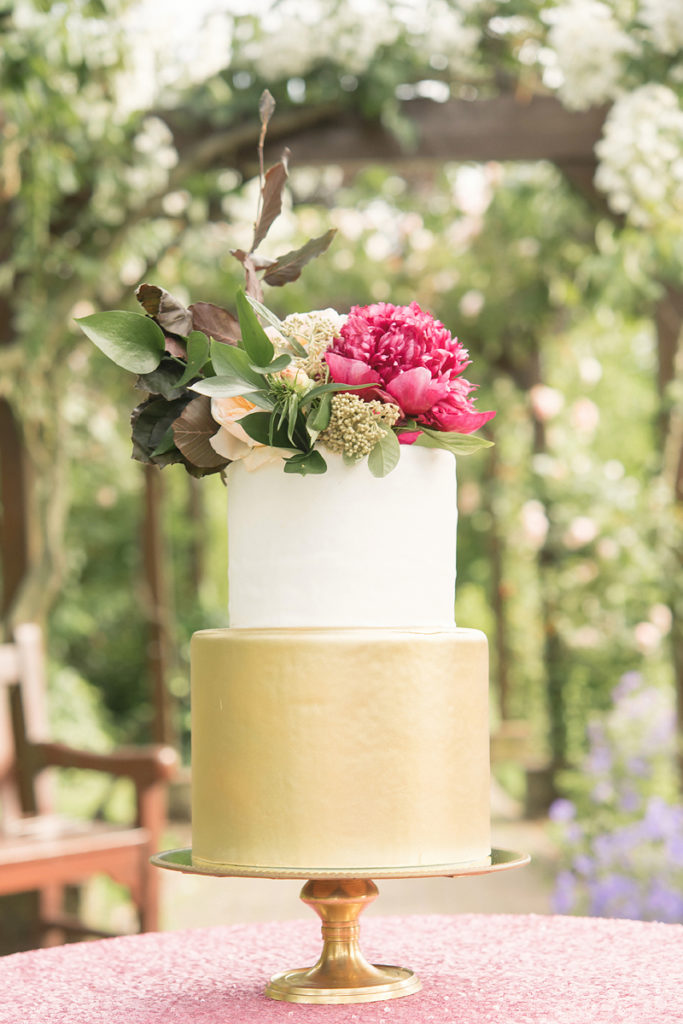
x: 500, y: 128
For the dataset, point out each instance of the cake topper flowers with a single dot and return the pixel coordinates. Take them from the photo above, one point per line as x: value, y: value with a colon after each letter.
x: 222, y: 387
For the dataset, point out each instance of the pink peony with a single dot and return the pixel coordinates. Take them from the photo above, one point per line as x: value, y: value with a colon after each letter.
x: 414, y: 362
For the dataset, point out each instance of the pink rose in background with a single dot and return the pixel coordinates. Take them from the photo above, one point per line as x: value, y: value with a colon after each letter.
x: 413, y: 361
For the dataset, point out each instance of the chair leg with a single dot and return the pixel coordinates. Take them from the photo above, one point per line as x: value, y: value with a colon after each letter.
x: 148, y: 906
x: 51, y: 909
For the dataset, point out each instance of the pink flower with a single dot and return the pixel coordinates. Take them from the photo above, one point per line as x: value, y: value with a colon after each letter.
x: 413, y: 361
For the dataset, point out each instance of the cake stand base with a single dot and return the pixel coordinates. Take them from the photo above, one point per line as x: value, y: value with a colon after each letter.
x: 342, y: 974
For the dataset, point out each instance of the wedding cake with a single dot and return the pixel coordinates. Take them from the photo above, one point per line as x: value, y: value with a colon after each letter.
x: 340, y: 723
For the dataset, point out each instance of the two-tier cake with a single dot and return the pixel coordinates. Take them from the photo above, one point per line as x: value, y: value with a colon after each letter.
x: 341, y: 723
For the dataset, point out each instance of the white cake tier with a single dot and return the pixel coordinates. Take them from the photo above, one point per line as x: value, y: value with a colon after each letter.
x: 343, y: 548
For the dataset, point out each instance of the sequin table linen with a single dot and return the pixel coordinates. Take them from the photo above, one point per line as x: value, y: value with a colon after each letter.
x: 475, y: 969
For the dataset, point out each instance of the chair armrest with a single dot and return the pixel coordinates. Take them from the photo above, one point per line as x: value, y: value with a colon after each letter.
x: 145, y: 765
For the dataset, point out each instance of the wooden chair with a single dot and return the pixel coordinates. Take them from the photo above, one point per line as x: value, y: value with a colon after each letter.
x: 42, y: 852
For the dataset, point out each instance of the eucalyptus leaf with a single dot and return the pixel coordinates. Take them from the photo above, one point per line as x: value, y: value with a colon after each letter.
x: 197, y: 355
x: 458, y: 444
x: 308, y: 462
x: 255, y: 341
x: 130, y: 340
x: 385, y: 455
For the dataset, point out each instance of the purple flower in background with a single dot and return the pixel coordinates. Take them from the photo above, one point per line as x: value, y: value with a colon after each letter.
x: 562, y: 810
x: 622, y: 838
x: 629, y: 682
x: 664, y: 903
x: 565, y: 892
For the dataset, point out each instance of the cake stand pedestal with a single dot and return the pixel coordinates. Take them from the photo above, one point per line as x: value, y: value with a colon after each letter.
x: 342, y: 974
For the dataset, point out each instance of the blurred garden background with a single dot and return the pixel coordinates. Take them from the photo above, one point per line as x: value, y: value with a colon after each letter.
x: 516, y: 167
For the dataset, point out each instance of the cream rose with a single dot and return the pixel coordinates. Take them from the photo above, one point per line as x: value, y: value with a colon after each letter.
x: 232, y: 441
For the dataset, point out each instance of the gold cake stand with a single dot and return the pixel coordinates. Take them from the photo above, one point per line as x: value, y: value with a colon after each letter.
x: 342, y: 974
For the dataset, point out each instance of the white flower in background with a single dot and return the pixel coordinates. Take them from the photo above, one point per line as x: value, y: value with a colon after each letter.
x: 535, y: 523
x: 590, y: 47
x: 664, y: 18
x: 582, y: 530
x: 546, y: 402
x: 584, y: 416
x: 641, y: 157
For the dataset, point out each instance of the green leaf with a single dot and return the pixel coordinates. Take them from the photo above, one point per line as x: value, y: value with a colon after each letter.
x: 197, y: 354
x: 265, y: 314
x: 150, y: 423
x: 255, y: 341
x: 277, y: 364
x: 292, y: 415
x: 224, y: 386
x: 385, y: 455
x: 130, y: 340
x: 308, y: 462
x: 458, y: 444
x: 319, y: 418
x: 261, y: 428
x: 164, y: 381
x: 167, y: 443
x: 233, y: 361
x: 322, y: 389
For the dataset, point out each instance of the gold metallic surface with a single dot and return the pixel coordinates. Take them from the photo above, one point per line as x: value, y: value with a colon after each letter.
x: 328, y: 752
x: 182, y: 860
x: 342, y: 974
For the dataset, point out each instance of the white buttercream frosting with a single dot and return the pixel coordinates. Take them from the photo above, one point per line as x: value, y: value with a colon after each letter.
x: 343, y: 548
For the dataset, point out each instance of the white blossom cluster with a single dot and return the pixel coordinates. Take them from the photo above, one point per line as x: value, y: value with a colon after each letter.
x: 664, y: 19
x: 295, y: 35
x: 590, y: 46
x: 641, y: 157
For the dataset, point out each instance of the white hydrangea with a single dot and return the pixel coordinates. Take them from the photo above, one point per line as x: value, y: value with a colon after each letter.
x: 590, y: 47
x: 641, y: 157
x: 664, y: 18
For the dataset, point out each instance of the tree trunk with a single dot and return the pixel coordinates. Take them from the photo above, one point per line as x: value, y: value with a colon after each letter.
x: 669, y: 323
x: 158, y: 607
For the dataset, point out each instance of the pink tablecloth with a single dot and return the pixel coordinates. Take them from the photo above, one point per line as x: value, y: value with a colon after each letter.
x: 475, y: 969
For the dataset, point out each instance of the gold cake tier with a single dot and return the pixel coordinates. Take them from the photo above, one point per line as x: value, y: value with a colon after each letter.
x: 339, y: 748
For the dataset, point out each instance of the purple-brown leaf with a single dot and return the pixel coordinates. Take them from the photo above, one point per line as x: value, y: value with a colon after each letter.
x: 168, y: 311
x: 252, y: 284
x: 288, y: 267
x: 271, y: 199
x: 191, y: 433
x: 215, y: 322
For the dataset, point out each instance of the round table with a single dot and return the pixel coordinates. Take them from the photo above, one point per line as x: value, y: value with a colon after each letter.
x: 475, y: 969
